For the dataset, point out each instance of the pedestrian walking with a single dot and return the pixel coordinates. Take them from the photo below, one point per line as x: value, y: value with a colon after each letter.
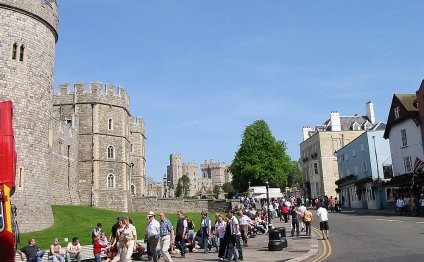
x: 244, y: 222
x: 295, y: 221
x: 220, y: 227
x: 235, y: 234
x: 206, y: 228
x: 153, y: 232
x: 323, y: 222
x: 166, y: 237
x: 308, y: 219
x: 181, y: 234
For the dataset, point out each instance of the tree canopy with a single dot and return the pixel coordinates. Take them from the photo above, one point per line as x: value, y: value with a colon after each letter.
x: 183, y: 186
x: 260, y: 158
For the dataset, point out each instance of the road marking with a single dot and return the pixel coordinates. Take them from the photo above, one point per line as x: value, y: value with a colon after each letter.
x: 420, y: 222
x: 389, y: 220
x: 327, y: 247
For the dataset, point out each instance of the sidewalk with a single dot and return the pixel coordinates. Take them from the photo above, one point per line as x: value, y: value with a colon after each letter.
x: 298, y: 249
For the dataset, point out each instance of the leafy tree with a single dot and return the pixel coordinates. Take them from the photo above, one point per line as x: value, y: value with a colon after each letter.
x: 183, y: 187
x: 295, y: 175
x: 260, y: 158
x: 216, y: 189
x: 227, y: 187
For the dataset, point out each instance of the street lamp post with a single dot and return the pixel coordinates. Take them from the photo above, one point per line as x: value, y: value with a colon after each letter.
x: 268, y: 209
x: 378, y: 175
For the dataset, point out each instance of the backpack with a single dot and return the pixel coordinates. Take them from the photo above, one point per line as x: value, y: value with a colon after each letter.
x: 307, y: 216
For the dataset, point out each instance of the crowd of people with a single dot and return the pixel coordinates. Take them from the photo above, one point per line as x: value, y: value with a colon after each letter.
x: 412, y: 205
x: 227, y: 233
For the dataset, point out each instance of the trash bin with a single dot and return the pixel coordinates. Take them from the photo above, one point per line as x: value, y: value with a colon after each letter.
x: 282, y: 231
x: 275, y: 243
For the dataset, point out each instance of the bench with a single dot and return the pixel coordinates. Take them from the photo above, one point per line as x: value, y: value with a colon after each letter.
x: 86, y: 253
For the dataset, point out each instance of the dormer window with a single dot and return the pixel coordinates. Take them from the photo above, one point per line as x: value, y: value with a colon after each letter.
x: 397, y: 112
x: 355, y: 126
x: 110, y: 124
x: 367, y: 125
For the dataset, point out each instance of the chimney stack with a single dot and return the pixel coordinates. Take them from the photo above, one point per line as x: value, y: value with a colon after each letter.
x: 335, y: 121
x: 370, y: 112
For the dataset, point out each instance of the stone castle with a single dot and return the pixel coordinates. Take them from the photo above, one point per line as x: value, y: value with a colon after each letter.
x: 81, y: 146
x: 214, y: 173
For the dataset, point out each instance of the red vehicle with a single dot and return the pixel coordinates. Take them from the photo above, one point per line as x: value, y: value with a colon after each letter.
x: 8, y: 225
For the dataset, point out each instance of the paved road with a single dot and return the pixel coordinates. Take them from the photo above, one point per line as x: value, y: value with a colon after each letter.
x: 299, y: 249
x: 362, y: 235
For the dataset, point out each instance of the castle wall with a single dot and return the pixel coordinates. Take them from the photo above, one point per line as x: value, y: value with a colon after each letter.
x: 29, y: 84
x: 173, y: 205
x: 105, y: 121
x: 64, y: 147
x: 137, y: 156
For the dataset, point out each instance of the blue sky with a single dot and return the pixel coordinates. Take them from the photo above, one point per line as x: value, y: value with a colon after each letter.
x: 198, y: 72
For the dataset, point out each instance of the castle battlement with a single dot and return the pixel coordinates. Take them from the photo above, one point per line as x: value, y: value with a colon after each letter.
x: 212, y: 164
x: 137, y: 124
x: 96, y: 92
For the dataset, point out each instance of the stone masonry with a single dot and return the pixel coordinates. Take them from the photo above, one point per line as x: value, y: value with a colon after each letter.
x: 110, y: 143
x: 28, y: 35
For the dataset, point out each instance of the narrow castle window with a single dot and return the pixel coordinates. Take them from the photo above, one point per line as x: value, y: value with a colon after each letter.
x: 110, y: 124
x: 110, y: 152
x: 21, y: 53
x: 21, y: 178
x: 14, y: 51
x: 133, y: 190
x: 110, y: 181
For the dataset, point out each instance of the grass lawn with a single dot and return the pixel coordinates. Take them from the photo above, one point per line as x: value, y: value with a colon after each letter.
x: 70, y: 221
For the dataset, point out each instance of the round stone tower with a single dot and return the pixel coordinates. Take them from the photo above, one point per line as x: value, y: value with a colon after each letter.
x: 28, y: 35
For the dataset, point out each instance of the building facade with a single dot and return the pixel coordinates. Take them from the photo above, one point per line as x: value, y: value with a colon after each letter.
x: 361, y: 170
x: 404, y: 132
x: 319, y: 147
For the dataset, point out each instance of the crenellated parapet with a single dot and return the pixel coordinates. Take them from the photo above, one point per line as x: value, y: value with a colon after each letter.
x: 212, y: 164
x: 95, y: 93
x: 44, y: 11
x: 137, y: 125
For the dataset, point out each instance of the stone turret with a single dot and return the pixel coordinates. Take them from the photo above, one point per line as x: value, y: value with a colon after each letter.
x: 28, y: 36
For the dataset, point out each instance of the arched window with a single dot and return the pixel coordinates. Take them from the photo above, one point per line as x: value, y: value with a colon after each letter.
x: 14, y: 51
x: 132, y: 190
x: 110, y: 124
x: 21, y: 53
x: 110, y: 152
x: 110, y: 181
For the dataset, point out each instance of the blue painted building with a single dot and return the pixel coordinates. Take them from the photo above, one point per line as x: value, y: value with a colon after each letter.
x: 361, y: 165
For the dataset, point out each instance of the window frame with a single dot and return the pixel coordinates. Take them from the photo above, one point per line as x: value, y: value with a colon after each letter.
x: 397, y: 112
x: 407, y: 164
x: 110, y: 153
x: 404, y: 137
x: 110, y: 181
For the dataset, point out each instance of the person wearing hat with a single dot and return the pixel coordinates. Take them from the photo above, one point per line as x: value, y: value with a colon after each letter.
x: 153, y: 231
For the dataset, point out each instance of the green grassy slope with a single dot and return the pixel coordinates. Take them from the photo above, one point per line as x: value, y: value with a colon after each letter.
x: 70, y: 221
